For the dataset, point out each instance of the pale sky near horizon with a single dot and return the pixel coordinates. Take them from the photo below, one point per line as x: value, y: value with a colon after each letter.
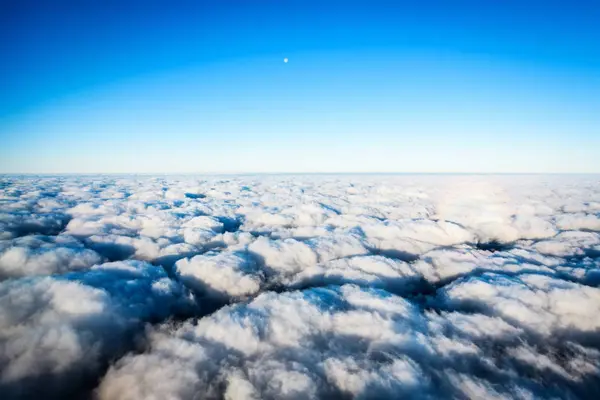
x: 376, y: 86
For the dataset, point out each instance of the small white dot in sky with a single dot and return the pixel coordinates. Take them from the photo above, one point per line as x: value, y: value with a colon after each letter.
x: 285, y: 60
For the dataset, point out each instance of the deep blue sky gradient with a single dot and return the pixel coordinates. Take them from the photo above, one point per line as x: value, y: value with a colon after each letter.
x: 428, y: 86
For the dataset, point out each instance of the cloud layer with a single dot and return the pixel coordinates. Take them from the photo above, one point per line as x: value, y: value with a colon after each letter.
x: 300, y: 287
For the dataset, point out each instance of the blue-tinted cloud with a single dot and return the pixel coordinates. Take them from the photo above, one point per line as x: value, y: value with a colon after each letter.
x: 299, y: 286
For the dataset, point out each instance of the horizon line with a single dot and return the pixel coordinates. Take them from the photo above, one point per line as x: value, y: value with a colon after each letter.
x: 286, y: 173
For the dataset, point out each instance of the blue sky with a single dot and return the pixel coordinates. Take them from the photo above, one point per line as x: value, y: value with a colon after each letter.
x: 370, y: 86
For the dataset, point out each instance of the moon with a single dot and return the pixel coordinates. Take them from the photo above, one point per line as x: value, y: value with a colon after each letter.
x: 285, y: 60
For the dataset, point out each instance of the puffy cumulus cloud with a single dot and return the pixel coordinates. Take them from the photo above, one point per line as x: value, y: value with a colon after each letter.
x: 570, y: 243
x: 367, y: 271
x: 345, y: 342
x: 274, y: 218
x: 533, y: 227
x: 546, y: 305
x: 498, y: 209
x: 220, y: 275
x: 57, y: 333
x: 300, y: 286
x: 294, y: 345
x: 18, y: 223
x: 414, y: 236
x: 44, y: 255
x: 117, y: 247
x: 578, y: 221
x: 201, y: 230
x: 233, y: 240
x: 282, y: 258
x: 444, y: 264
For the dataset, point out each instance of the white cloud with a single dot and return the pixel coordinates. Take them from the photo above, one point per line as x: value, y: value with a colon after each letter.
x: 300, y: 286
x: 548, y: 306
x: 220, y: 275
x: 44, y: 255
x: 58, y: 332
x: 578, y: 221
